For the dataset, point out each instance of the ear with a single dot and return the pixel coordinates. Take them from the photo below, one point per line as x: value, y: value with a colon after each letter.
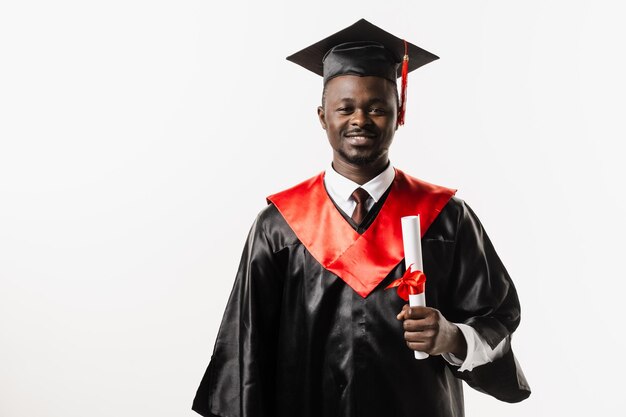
x: 321, y: 115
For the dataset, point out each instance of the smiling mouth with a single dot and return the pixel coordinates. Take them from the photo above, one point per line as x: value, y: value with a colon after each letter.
x: 359, y: 140
x: 359, y: 132
x: 358, y: 137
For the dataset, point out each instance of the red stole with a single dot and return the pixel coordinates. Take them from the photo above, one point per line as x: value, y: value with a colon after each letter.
x: 362, y: 261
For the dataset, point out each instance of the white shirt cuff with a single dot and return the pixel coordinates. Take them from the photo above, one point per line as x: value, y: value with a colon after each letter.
x: 478, y: 350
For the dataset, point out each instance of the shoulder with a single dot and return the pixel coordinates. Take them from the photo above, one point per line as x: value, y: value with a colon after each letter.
x: 456, y: 208
x: 271, y: 225
x: 294, y: 206
x: 270, y: 216
x: 457, y: 221
x: 298, y: 191
x: 412, y: 184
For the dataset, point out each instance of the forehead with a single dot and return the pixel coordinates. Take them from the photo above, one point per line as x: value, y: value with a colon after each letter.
x: 363, y: 88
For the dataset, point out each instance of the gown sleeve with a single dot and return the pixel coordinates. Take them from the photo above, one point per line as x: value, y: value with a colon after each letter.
x: 484, y: 297
x: 238, y: 380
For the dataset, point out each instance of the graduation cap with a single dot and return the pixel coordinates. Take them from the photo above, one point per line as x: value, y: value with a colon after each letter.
x: 364, y: 49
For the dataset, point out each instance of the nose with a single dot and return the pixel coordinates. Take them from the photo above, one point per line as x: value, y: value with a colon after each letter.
x: 360, y: 118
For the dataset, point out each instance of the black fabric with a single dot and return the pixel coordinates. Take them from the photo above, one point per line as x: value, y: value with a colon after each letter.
x: 359, y: 62
x: 362, y: 59
x: 295, y: 340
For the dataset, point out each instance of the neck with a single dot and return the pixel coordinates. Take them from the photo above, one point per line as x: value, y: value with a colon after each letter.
x: 360, y: 173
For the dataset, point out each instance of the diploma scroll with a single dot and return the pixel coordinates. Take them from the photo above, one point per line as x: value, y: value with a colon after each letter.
x: 412, y: 241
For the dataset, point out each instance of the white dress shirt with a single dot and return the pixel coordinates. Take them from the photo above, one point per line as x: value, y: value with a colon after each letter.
x: 340, y: 190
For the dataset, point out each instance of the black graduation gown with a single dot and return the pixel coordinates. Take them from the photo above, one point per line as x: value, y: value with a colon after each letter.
x: 296, y: 340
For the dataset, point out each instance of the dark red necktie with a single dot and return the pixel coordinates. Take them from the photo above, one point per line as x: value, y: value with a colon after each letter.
x: 360, y: 196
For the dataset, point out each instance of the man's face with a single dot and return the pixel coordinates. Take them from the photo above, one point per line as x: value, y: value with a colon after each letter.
x: 359, y: 115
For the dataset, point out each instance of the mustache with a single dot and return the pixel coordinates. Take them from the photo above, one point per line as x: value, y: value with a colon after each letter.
x: 361, y: 132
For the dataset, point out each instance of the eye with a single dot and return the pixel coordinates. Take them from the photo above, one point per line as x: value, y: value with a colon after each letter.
x: 345, y: 110
x: 377, y: 110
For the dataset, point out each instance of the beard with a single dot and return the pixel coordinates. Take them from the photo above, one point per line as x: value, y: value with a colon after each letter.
x: 361, y: 160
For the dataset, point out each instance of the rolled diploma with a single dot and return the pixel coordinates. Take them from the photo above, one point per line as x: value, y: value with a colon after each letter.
x: 412, y: 240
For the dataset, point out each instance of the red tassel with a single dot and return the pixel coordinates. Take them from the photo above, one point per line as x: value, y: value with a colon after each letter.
x: 405, y: 74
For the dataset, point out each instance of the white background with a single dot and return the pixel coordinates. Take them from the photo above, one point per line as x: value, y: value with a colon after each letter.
x: 138, y: 140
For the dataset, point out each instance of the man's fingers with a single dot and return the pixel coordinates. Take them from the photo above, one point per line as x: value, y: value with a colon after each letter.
x: 422, y: 329
x: 418, y: 312
x: 429, y: 316
x: 419, y: 325
x: 402, y: 315
x: 419, y: 336
x: 421, y: 346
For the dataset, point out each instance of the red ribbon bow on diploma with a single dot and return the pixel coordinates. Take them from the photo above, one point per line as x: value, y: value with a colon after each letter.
x: 412, y: 282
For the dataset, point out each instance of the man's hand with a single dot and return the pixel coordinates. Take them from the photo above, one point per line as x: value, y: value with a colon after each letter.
x: 427, y: 330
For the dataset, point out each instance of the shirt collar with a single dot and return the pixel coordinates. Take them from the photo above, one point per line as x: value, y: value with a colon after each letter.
x: 342, y: 187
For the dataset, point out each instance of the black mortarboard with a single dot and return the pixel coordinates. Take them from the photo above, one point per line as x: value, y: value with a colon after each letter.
x: 364, y: 49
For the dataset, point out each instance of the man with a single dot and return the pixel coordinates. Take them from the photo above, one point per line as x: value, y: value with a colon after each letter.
x: 310, y: 329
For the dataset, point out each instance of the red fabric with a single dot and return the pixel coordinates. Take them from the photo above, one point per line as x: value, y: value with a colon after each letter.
x: 412, y: 282
x: 362, y: 261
